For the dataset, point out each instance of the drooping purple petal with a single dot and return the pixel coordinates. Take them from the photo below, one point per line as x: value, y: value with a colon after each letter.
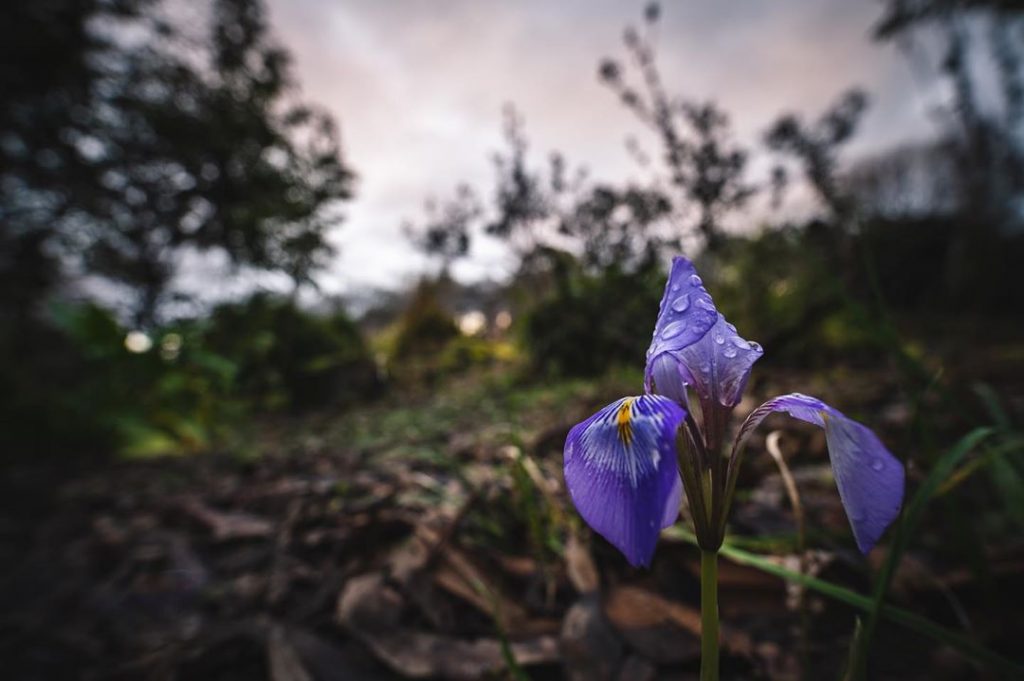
x: 686, y: 312
x: 869, y: 478
x: 674, y: 503
x: 622, y: 474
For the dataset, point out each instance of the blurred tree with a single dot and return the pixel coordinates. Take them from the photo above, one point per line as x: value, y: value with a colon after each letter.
x: 50, y: 65
x: 291, y: 359
x: 614, y: 227
x: 446, y: 233
x: 908, y: 181
x: 589, y: 322
x: 425, y: 326
x: 986, y: 141
x: 705, y: 167
x: 528, y: 203
x: 532, y: 211
x: 545, y: 216
x: 816, y: 146
x: 989, y: 140
x: 169, y: 144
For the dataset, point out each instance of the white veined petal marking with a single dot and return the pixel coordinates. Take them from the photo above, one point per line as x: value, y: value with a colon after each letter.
x: 614, y: 441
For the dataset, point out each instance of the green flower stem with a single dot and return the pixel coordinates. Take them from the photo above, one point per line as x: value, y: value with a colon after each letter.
x: 709, y: 616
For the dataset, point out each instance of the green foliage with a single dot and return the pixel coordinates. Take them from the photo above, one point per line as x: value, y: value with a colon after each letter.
x: 174, y: 398
x: 40, y: 403
x: 920, y: 265
x: 80, y: 390
x: 427, y: 344
x: 290, y: 359
x: 777, y: 290
x: 465, y: 352
x: 592, y: 322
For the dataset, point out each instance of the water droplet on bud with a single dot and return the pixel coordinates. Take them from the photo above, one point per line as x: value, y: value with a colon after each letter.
x: 681, y: 303
x: 672, y: 330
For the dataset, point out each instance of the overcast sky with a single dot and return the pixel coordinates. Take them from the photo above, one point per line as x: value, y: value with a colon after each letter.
x: 418, y: 89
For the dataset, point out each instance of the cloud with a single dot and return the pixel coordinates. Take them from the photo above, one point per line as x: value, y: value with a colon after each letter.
x: 418, y: 89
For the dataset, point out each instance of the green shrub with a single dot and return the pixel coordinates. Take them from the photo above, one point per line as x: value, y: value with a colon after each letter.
x: 80, y: 390
x: 592, y: 322
x: 778, y: 290
x: 77, y: 388
x: 44, y: 377
x: 290, y: 359
x: 465, y: 352
x: 425, y: 327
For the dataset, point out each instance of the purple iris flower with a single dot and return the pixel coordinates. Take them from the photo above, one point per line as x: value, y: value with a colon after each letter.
x: 627, y: 465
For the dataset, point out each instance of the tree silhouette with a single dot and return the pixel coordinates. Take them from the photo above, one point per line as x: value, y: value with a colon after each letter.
x: 705, y: 167
x: 50, y: 68
x: 170, y: 144
x: 446, y: 232
x: 986, y: 140
x: 525, y: 200
x: 614, y: 227
x: 816, y: 147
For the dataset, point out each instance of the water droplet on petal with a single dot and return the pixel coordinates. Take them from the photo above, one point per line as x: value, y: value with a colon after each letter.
x: 740, y: 343
x: 756, y: 347
x: 719, y: 339
x: 705, y: 303
x: 673, y: 330
x: 681, y: 303
x: 675, y: 287
x: 729, y: 351
x: 731, y: 327
x: 705, y: 368
x: 877, y: 465
x: 695, y: 280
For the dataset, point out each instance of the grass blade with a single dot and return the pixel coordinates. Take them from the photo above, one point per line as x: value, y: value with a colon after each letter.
x: 916, y: 623
x: 1008, y: 482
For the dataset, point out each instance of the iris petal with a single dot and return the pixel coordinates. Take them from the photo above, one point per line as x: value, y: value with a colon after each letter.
x: 665, y: 377
x: 869, y: 478
x: 686, y: 312
x: 622, y: 474
x: 708, y: 354
x: 674, y: 503
x: 718, y: 365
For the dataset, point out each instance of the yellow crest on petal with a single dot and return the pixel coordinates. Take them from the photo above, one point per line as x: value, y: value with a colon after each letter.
x: 623, y: 421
